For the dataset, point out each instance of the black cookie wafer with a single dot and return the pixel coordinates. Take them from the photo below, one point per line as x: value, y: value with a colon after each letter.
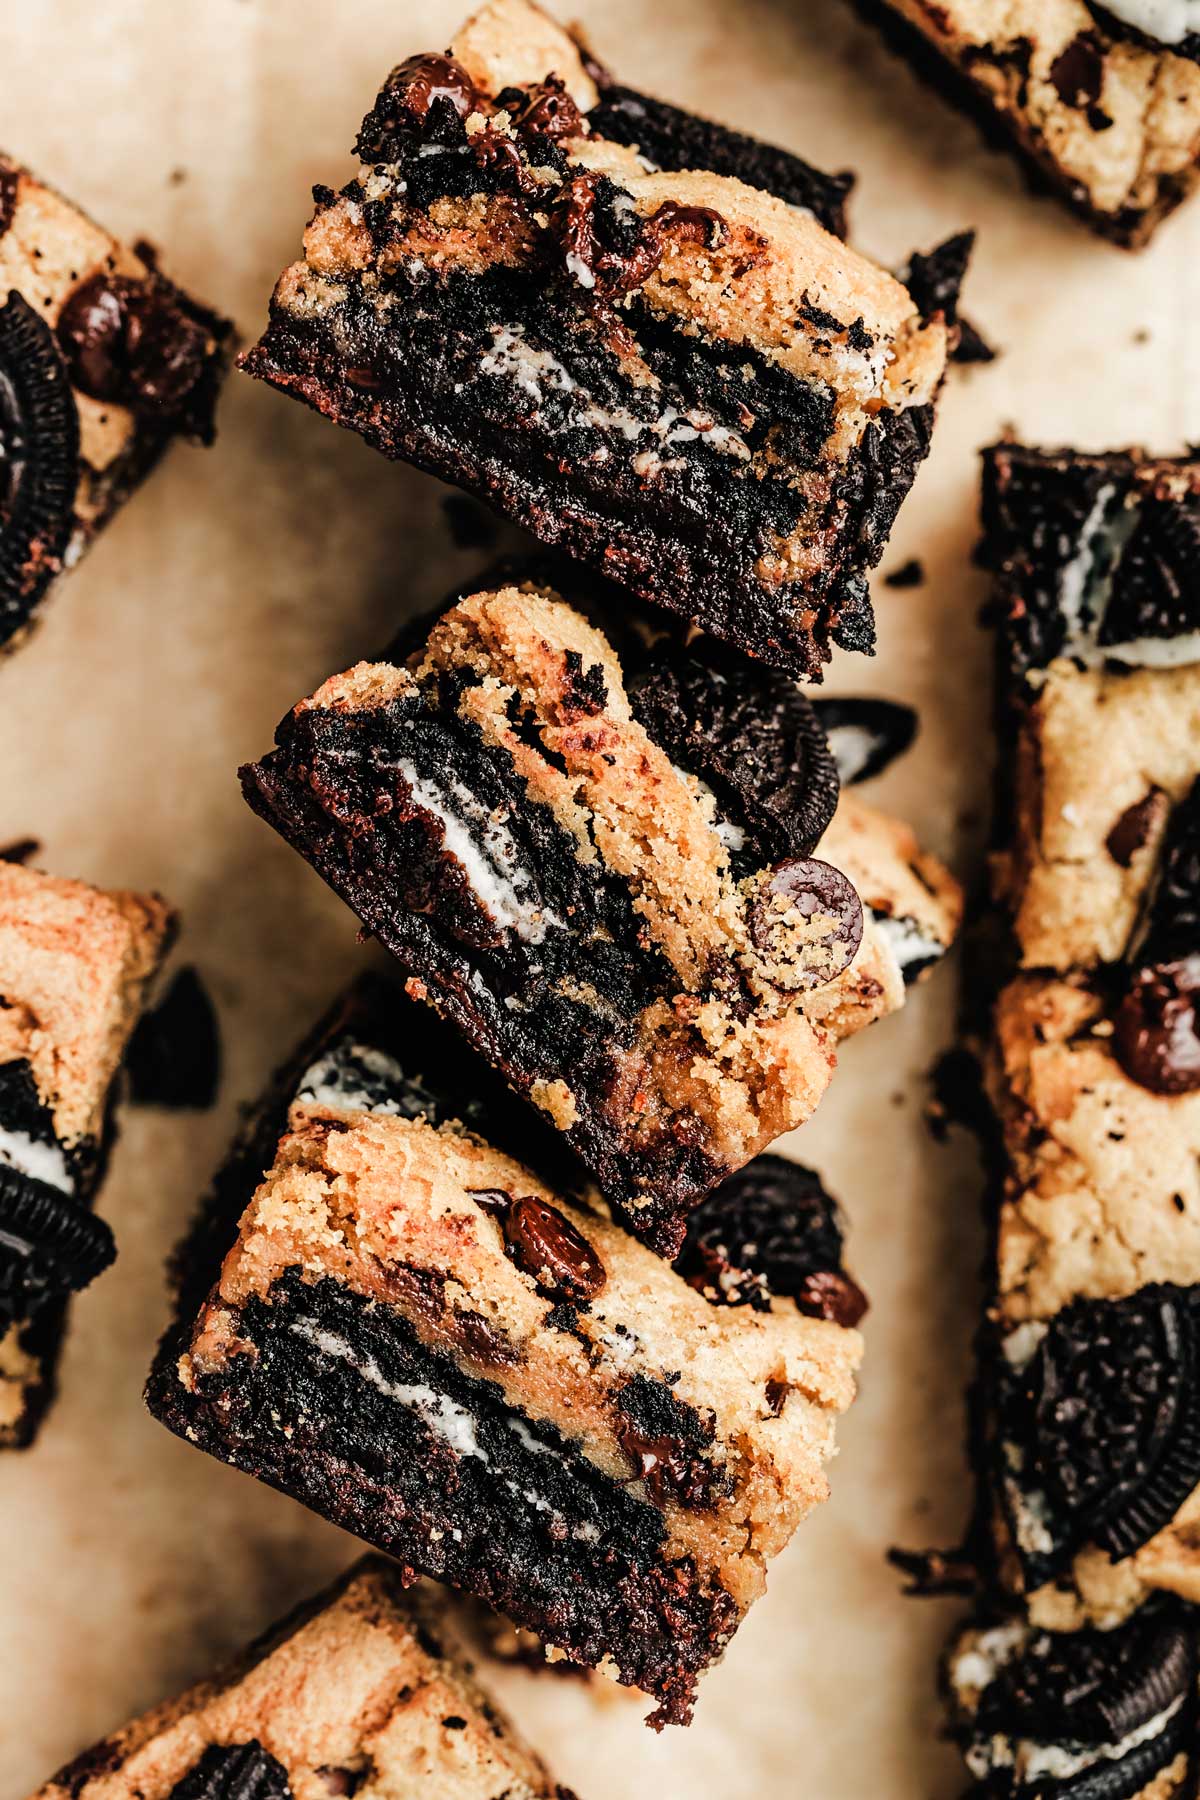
x: 49, y: 1244
x: 39, y: 461
x: 235, y: 1772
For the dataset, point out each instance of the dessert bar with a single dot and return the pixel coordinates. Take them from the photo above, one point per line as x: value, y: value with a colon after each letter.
x: 103, y: 361
x: 604, y: 874
x: 411, y: 1331
x: 1104, y: 115
x: 74, y: 966
x: 361, y: 1691
x: 633, y: 332
x: 1086, y: 1422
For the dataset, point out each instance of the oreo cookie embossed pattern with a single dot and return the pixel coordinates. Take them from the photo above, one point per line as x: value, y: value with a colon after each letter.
x: 631, y: 331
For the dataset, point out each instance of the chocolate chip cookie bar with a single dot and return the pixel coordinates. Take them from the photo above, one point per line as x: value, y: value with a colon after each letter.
x: 408, y: 1329
x: 75, y: 963
x: 1086, y: 1429
x: 635, y: 333
x: 603, y: 872
x: 103, y: 362
x: 1089, y: 1715
x: 363, y: 1690
x: 1101, y: 103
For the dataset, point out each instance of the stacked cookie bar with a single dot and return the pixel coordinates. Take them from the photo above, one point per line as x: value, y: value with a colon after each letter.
x: 75, y: 964
x: 635, y: 333
x: 1087, y: 1439
x: 103, y: 362
x: 363, y: 1688
x: 1101, y: 102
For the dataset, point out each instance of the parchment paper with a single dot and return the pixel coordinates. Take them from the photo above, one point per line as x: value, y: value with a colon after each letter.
x: 241, y: 577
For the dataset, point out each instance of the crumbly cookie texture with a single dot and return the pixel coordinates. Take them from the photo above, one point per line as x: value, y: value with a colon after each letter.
x: 573, y: 869
x: 75, y: 965
x: 362, y: 1691
x: 103, y: 362
x: 491, y: 1381
x: 632, y: 331
x: 1089, y: 1436
x: 1112, y: 124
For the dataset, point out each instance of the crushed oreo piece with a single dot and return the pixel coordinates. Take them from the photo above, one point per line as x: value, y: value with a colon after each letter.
x: 909, y: 575
x: 753, y: 736
x: 235, y: 1772
x: 174, y: 1055
x: 21, y: 850
x: 39, y: 462
x: 865, y: 736
x: 935, y: 282
x: 770, y: 1230
x: 49, y: 1244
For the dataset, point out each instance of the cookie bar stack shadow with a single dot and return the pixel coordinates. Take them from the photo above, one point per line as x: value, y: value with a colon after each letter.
x: 103, y: 362
x: 75, y: 965
x: 1079, y: 1676
x: 364, y: 1684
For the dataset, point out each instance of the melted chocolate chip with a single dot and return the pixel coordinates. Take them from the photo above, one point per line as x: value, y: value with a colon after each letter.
x: 8, y: 197
x: 818, y: 892
x: 831, y: 1294
x: 1156, y: 1032
x: 549, y: 112
x: 1134, y: 827
x: 545, y: 1244
x: 131, y: 342
x: 235, y: 1772
x: 1078, y: 72
x: 614, y: 272
x: 667, y: 1443
x: 422, y: 82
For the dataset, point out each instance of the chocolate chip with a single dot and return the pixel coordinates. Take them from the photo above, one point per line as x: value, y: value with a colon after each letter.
x: 423, y: 82
x: 831, y: 1294
x: 132, y: 342
x: 1135, y: 826
x: 1078, y: 71
x: 1156, y: 1032
x: 545, y: 1244
x: 549, y: 112
x: 667, y: 1442
x: 807, y: 923
x: 612, y: 272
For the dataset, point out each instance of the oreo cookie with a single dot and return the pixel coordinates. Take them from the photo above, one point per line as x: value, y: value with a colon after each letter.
x: 1096, y: 1425
x: 771, y: 1230
x: 753, y: 737
x: 235, y: 1772
x: 865, y: 736
x: 49, y: 1244
x: 1086, y: 1715
x: 39, y: 462
x: 1156, y: 1028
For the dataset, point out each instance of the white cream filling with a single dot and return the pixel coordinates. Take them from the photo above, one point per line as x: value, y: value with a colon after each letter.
x: 336, y: 1079
x: 1167, y: 20
x: 539, y: 372
x: 35, y: 1158
x: 1031, y: 1760
x: 1021, y: 1344
x: 851, y: 747
x: 908, y: 941
x: 489, y: 858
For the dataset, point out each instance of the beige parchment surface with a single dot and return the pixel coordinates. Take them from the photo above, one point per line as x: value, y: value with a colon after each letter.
x: 242, y: 576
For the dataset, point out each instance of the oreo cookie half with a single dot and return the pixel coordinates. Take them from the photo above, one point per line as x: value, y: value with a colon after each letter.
x: 49, y: 1244
x: 1096, y: 1425
x: 39, y: 462
x: 235, y: 1772
x: 865, y: 736
x: 771, y: 1230
x: 1156, y: 1028
x: 752, y: 735
x: 1087, y: 1715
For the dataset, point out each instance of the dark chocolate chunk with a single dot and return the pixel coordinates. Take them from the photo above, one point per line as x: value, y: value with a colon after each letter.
x: 1156, y: 1031
x: 39, y: 462
x: 1102, y: 1423
x: 174, y: 1055
x: 865, y: 736
x: 235, y: 1772
x: 771, y: 1230
x: 136, y: 343
x: 815, y: 890
x: 546, y: 1245
x: 49, y: 1244
x: 753, y: 736
x: 1134, y: 827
